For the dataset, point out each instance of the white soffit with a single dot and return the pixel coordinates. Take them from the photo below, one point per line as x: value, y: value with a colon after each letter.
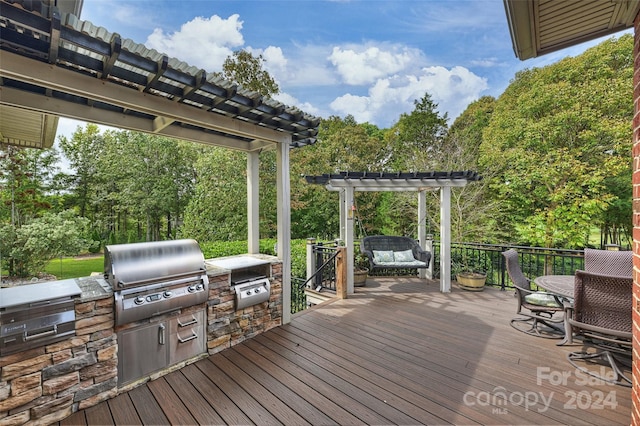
x: 539, y: 27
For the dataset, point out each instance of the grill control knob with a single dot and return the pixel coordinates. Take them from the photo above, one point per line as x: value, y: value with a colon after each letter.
x: 138, y: 300
x: 200, y: 287
x: 192, y: 289
x: 167, y: 294
x: 256, y: 291
x: 248, y: 292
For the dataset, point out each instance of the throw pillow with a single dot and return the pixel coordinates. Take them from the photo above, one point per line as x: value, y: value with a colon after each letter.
x: 541, y: 298
x: 382, y: 256
x: 403, y: 256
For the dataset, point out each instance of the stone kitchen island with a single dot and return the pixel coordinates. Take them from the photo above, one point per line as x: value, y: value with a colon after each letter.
x: 45, y: 384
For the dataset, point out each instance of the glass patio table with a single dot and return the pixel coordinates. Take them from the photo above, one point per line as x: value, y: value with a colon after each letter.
x: 562, y: 285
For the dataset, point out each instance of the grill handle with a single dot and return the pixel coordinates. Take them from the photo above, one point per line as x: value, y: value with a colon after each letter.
x: 52, y: 332
x: 161, y: 329
x: 165, y: 279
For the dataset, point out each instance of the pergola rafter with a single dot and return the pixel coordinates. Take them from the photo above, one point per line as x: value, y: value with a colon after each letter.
x: 348, y: 183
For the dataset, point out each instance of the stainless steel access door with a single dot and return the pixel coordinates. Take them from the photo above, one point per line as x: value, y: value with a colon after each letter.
x: 142, y: 350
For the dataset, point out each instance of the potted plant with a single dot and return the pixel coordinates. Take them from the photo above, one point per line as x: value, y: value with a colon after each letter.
x: 468, y: 276
x: 360, y: 269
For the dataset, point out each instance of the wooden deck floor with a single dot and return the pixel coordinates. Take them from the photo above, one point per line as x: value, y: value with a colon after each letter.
x: 397, y: 352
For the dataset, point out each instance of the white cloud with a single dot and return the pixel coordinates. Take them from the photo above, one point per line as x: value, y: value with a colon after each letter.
x: 452, y: 89
x: 289, y: 100
x: 201, y: 42
x: 274, y: 58
x: 485, y: 62
x: 306, y: 66
x: 275, y: 62
x: 365, y: 64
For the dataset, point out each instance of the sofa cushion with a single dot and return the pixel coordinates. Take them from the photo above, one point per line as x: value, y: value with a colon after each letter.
x: 402, y: 265
x: 382, y: 256
x: 403, y: 256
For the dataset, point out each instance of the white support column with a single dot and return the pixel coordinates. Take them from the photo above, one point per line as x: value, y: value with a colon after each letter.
x: 253, y: 202
x: 284, y: 225
x: 349, y: 239
x: 422, y: 226
x: 343, y: 214
x: 445, y: 239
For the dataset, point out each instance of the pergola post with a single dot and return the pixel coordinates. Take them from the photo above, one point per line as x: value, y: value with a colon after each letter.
x: 348, y: 206
x: 445, y: 239
x: 253, y: 202
x: 284, y: 224
x: 343, y: 214
x: 422, y: 226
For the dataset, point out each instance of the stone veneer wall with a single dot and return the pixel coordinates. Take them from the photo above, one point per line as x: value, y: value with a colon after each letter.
x: 226, y: 326
x: 44, y: 385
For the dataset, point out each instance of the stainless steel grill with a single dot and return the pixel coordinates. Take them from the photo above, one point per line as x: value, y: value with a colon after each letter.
x: 153, y: 278
x: 36, y: 315
x: 155, y: 287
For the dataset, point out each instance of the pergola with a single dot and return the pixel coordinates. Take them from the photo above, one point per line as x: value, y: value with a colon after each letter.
x: 348, y: 183
x: 53, y: 65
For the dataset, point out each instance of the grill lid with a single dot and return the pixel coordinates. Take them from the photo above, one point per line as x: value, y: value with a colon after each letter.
x: 130, y: 265
x: 38, y: 294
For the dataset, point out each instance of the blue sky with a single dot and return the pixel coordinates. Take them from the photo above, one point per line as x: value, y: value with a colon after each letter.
x: 369, y: 58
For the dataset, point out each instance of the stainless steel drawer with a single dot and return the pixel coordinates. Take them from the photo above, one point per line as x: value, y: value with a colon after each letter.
x: 188, y: 337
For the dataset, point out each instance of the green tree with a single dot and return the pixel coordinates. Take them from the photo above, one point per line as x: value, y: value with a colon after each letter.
x: 83, y: 152
x: 145, y: 180
x: 343, y: 145
x: 245, y: 69
x: 472, y: 208
x: 41, y: 240
x: 557, y: 146
x: 416, y: 140
x: 26, y: 176
x: 218, y: 210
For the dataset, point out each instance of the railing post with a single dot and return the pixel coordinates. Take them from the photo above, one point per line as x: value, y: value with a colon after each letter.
x: 341, y: 273
x: 429, y: 247
x: 311, y: 260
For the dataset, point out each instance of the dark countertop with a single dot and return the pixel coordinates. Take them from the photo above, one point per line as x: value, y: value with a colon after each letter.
x: 94, y: 288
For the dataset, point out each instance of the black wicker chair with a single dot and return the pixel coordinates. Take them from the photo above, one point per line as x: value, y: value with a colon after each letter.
x: 602, y: 315
x: 536, y: 309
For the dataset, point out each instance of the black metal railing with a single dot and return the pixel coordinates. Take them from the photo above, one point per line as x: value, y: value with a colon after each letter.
x: 324, y: 277
x: 487, y: 258
x: 325, y: 274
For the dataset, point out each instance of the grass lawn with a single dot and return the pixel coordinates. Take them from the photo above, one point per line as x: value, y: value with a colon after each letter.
x: 75, y: 267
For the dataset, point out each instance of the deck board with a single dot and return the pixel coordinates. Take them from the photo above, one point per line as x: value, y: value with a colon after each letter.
x: 99, y: 415
x: 396, y: 352
x: 150, y: 411
x: 195, y: 402
x: 171, y: 401
x: 123, y: 410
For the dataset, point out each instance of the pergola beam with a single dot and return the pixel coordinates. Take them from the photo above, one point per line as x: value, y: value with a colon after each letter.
x: 21, y: 68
